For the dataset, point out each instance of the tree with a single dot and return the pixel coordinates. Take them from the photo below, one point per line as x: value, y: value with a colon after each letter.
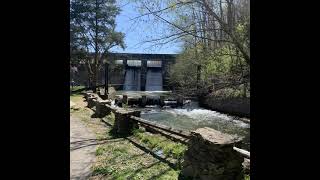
x: 92, y: 33
x: 216, y: 41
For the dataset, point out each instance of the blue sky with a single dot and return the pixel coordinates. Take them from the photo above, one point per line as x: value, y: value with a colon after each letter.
x: 137, y: 32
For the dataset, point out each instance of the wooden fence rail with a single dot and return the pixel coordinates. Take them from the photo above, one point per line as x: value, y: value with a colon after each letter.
x: 162, y: 127
x: 242, y: 152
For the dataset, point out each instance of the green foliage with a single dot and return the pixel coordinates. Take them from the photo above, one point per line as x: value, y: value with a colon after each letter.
x: 102, y: 170
x: 92, y: 31
x: 83, y: 17
x: 224, y: 69
x: 75, y: 88
x: 99, y: 151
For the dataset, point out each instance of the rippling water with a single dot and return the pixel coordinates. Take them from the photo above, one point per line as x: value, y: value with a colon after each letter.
x: 195, y: 117
x: 192, y: 117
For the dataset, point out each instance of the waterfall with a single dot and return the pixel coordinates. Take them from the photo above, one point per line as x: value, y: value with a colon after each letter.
x: 132, y: 79
x: 154, y: 79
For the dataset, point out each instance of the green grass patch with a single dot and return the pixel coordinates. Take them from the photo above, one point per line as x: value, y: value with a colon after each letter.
x: 158, y: 142
x: 75, y: 88
x: 122, y: 160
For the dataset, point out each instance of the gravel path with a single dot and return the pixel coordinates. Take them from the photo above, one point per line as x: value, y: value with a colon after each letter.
x: 82, y: 149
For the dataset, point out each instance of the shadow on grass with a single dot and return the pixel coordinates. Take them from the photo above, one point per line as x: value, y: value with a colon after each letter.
x: 91, y: 142
x: 146, y: 150
x: 105, y: 122
x: 79, y: 145
x: 78, y: 90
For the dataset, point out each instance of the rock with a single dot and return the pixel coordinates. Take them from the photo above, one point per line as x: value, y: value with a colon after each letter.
x: 111, y: 93
x: 188, y: 171
x: 246, y: 165
x: 210, y: 155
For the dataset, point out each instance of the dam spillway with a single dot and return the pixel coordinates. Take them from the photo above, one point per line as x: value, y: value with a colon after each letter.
x: 145, y: 76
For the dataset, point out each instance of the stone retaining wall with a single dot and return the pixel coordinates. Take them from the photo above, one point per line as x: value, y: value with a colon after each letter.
x: 234, y: 106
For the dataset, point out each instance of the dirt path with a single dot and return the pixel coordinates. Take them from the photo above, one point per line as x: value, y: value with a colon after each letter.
x: 82, y: 149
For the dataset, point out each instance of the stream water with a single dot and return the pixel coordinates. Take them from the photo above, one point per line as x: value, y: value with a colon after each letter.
x: 191, y: 117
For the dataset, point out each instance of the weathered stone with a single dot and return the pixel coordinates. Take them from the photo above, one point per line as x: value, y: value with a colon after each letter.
x: 161, y: 103
x: 87, y: 95
x: 124, y: 99
x: 214, y: 137
x: 143, y: 101
x: 123, y: 124
x: 237, y: 105
x: 111, y: 93
x: 101, y: 108
x: 210, y: 155
x: 246, y: 165
x: 91, y: 101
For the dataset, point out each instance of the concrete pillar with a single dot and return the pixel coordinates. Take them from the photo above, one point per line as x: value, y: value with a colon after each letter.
x: 124, y: 69
x: 161, y: 101
x: 124, y: 99
x: 164, y: 73
x: 123, y: 125
x: 101, y: 108
x: 143, y: 76
x: 125, y: 63
x: 210, y: 155
x: 143, y: 100
x: 179, y: 101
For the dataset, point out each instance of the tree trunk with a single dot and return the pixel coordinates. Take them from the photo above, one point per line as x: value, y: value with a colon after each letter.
x: 94, y: 80
x: 96, y: 51
x: 245, y: 90
x: 198, y: 75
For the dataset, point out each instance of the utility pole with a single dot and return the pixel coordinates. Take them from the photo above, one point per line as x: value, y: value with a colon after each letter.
x: 106, y: 79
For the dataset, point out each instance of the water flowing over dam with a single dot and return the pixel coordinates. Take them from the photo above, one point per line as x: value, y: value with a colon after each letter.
x: 132, y: 79
x: 154, y: 79
x: 143, y: 76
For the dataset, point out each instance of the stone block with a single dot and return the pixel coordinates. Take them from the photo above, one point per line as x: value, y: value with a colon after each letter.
x: 91, y: 101
x: 123, y: 124
x: 143, y: 101
x: 210, y: 155
x: 101, y: 108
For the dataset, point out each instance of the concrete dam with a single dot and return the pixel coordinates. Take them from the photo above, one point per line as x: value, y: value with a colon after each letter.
x: 132, y: 72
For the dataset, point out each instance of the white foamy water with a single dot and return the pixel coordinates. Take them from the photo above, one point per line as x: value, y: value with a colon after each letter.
x: 208, y: 115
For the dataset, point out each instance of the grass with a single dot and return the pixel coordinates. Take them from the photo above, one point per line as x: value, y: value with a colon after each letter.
x: 122, y: 160
x: 76, y: 88
x: 157, y: 142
